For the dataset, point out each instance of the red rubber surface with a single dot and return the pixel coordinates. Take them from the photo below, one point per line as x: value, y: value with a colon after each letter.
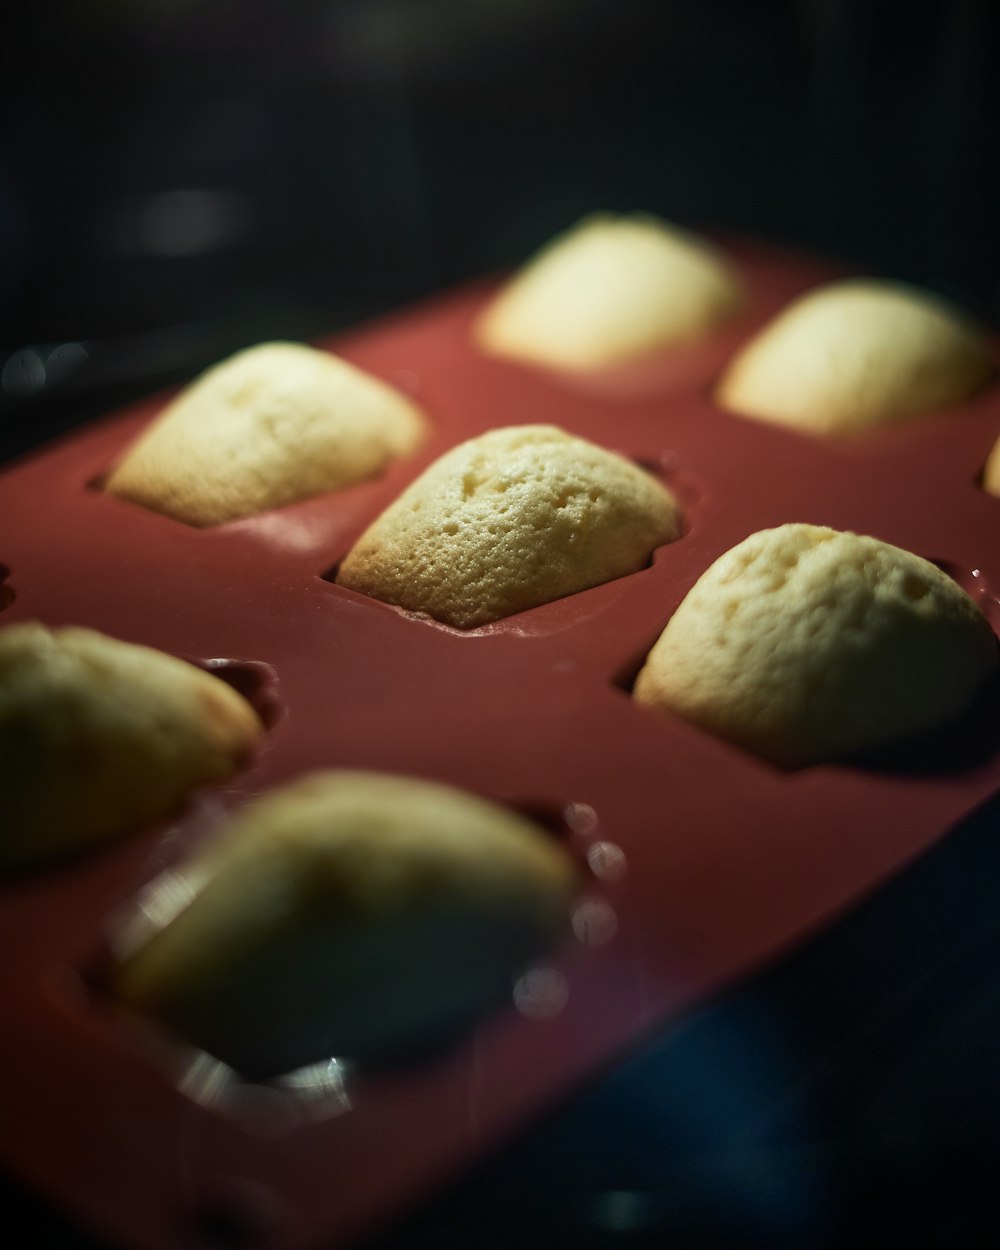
x: 722, y: 861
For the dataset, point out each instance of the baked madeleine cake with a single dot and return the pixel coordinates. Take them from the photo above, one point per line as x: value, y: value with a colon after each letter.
x: 509, y: 520
x: 272, y: 425
x: 99, y: 737
x: 610, y: 290
x: 856, y: 355
x: 804, y: 644
x: 351, y: 914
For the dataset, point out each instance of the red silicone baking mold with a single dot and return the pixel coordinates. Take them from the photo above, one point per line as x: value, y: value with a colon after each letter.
x: 703, y: 861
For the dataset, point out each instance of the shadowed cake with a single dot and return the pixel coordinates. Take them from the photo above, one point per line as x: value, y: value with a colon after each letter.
x: 351, y: 914
x: 99, y: 737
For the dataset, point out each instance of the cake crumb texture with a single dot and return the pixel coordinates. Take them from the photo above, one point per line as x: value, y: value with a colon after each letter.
x: 509, y: 520
x: 804, y: 644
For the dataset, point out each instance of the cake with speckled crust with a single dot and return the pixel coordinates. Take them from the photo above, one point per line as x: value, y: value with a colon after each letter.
x: 804, y: 644
x: 512, y: 519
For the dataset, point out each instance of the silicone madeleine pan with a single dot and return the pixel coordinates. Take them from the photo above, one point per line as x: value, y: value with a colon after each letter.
x: 701, y: 861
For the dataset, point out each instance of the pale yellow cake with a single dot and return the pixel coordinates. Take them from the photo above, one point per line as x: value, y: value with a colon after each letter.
x: 270, y: 426
x: 804, y: 644
x: 856, y: 355
x: 509, y: 520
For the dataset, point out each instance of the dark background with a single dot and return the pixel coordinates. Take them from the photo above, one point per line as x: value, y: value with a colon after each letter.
x: 180, y: 179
